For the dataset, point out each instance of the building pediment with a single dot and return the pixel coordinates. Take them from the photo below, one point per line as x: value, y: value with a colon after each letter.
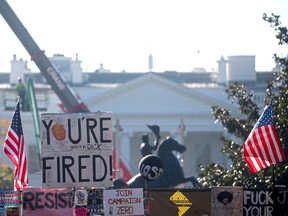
x: 151, y: 93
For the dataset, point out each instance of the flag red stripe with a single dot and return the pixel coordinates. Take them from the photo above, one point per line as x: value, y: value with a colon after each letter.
x: 252, y: 165
x: 252, y: 150
x: 275, y: 147
x: 22, y: 172
x: 263, y: 152
x: 257, y: 154
x: 262, y: 147
x: 14, y: 148
x: 11, y: 152
x: 249, y: 161
x: 262, y: 142
x: 21, y: 164
x: 260, y: 153
x: 12, y: 140
x: 270, y: 147
x: 278, y: 147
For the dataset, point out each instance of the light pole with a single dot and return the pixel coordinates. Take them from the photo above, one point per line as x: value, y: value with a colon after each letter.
x: 117, y: 147
x: 181, y: 130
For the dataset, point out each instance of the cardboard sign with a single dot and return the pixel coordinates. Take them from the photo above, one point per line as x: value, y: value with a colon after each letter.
x: 76, y: 150
x: 226, y: 201
x: 123, y: 202
x: 46, y: 202
x: 81, y: 197
x: 267, y: 202
x: 180, y: 202
x: 95, y: 201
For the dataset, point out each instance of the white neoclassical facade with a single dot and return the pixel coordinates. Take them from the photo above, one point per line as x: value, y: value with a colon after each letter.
x: 168, y: 99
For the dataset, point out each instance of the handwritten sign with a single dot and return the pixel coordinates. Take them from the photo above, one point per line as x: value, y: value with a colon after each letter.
x: 265, y: 202
x: 46, y: 202
x: 123, y: 202
x: 76, y: 150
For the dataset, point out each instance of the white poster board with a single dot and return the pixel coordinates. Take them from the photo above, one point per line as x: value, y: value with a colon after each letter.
x: 76, y: 149
x: 123, y: 202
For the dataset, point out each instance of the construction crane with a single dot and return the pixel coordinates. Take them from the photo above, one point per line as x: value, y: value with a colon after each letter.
x: 71, y: 101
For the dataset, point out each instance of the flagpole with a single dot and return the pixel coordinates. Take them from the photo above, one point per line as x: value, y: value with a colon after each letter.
x: 273, y: 176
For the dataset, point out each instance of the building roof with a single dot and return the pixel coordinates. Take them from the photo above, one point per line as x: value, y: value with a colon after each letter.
x: 123, y: 77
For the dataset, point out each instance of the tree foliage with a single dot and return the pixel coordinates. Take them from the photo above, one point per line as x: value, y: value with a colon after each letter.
x: 6, y: 177
x: 238, y: 127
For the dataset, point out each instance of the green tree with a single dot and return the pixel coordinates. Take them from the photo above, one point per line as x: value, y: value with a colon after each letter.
x: 6, y: 176
x: 239, y: 127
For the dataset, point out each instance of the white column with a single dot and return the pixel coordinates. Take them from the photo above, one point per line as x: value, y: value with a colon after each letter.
x: 125, y: 149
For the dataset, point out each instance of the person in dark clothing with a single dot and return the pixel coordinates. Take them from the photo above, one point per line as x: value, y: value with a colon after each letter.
x: 21, y: 90
x: 145, y: 147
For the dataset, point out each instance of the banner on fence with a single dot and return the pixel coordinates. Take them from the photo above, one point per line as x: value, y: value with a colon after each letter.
x: 37, y: 201
x: 95, y: 201
x: 123, y: 202
x: 226, y: 201
x: 181, y: 202
x: 80, y: 197
x: 76, y: 150
x: 266, y: 202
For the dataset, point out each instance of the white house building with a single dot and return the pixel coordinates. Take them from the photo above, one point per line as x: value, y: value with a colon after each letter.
x: 169, y: 99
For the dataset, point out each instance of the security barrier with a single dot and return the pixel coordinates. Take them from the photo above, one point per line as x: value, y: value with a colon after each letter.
x: 217, y: 201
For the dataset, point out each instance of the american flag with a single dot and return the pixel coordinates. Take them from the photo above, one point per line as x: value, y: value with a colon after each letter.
x: 15, y: 150
x: 262, y: 148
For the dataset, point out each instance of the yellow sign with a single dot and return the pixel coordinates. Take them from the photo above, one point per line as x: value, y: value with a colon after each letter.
x: 182, y: 203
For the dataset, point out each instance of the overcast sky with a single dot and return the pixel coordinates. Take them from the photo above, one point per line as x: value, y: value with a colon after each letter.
x: 120, y: 34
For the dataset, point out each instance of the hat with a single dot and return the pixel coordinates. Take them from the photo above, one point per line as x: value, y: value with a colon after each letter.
x: 154, y: 128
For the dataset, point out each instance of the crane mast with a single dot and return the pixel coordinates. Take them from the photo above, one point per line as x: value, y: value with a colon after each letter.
x: 70, y: 100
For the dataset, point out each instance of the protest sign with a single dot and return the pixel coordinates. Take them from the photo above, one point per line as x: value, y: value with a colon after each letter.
x: 226, y: 201
x: 46, y: 202
x: 266, y: 202
x: 80, y: 197
x: 95, y: 201
x: 123, y: 202
x: 76, y: 150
